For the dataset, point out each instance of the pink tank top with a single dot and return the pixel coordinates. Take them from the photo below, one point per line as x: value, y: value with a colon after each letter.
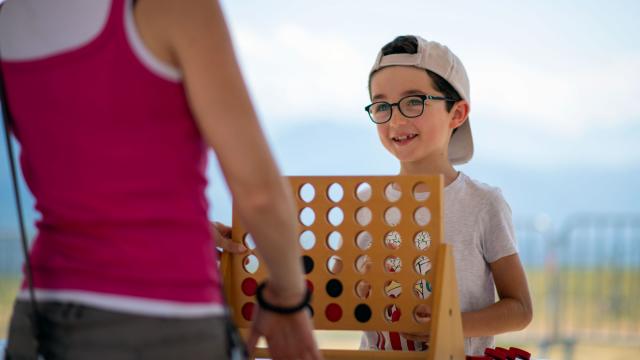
x: 116, y: 164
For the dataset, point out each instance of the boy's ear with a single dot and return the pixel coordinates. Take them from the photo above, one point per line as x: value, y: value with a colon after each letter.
x: 460, y: 112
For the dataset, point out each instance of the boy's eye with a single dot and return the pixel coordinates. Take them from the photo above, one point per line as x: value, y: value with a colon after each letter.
x: 414, y: 102
x: 381, y: 107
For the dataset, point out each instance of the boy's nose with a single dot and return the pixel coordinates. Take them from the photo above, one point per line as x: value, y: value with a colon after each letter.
x: 397, y: 118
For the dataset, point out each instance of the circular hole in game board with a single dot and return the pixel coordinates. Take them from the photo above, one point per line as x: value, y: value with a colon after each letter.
x: 307, y: 264
x: 334, y: 264
x: 393, y: 192
x: 311, y: 311
x: 422, y: 289
x: 392, y: 288
x: 393, y: 264
x: 422, y: 240
x: 307, y: 216
x: 335, y: 216
x: 392, y: 313
x: 334, y: 241
x: 392, y: 240
x: 363, y: 264
x: 422, y: 216
x: 422, y: 265
x: 334, y: 288
x: 307, y: 240
x: 392, y: 216
x: 364, y: 240
x: 335, y: 192
x: 422, y: 313
x: 251, y: 264
x: 363, y: 216
x: 362, y: 313
x: 333, y: 312
x: 249, y: 286
x: 309, y: 285
x: 307, y: 193
x: 421, y: 192
x: 248, y: 242
x: 363, y: 289
x: 247, y: 310
x: 363, y: 192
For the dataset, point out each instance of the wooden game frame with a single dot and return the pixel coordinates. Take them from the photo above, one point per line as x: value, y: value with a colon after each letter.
x: 445, y: 326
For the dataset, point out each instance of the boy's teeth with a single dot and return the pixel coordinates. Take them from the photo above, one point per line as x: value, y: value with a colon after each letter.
x: 404, y: 137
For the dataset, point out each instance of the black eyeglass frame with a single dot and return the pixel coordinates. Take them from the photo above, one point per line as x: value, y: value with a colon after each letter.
x: 424, y: 98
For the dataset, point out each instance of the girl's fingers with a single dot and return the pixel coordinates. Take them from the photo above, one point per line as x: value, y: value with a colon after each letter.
x: 224, y: 241
x: 223, y: 229
x: 231, y: 246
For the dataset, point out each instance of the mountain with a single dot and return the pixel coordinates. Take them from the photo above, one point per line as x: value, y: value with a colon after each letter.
x: 333, y: 148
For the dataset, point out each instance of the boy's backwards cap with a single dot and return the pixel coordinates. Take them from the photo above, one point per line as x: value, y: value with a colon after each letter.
x: 438, y: 58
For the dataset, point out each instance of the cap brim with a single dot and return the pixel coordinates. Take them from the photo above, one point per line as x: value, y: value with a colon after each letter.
x: 461, y: 145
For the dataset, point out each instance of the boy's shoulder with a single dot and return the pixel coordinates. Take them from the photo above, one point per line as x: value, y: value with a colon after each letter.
x: 477, y: 185
x: 474, y: 191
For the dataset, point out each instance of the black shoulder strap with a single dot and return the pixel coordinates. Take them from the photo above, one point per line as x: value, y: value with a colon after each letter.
x: 8, y: 121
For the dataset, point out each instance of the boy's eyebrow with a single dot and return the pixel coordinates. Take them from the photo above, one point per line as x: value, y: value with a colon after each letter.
x: 404, y: 93
x: 412, y: 92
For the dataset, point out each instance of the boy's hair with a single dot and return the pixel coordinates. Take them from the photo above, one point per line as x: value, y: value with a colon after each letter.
x: 408, y: 44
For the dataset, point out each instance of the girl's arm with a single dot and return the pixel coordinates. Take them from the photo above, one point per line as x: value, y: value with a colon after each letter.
x: 192, y: 36
x: 512, y: 312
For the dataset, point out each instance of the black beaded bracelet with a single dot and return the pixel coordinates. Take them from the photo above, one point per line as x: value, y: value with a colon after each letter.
x: 281, y: 309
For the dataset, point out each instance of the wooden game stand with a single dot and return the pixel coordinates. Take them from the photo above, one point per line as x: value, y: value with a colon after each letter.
x: 446, y: 339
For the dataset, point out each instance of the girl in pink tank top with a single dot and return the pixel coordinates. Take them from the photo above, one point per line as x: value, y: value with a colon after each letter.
x: 113, y: 149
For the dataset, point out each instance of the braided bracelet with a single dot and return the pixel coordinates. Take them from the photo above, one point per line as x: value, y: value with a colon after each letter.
x: 281, y: 309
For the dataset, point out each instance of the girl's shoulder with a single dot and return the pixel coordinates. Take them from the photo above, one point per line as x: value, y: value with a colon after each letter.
x: 37, y: 29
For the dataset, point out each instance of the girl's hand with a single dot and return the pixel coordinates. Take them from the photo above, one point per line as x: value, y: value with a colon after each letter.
x: 288, y: 336
x: 222, y: 235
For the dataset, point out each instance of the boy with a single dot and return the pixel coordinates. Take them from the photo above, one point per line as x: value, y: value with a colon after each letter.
x: 420, y: 105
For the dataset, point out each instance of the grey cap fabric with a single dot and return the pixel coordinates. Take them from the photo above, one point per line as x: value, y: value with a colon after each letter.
x: 438, y: 58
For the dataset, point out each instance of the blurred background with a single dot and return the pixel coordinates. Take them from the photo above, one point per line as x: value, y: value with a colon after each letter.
x: 556, y: 123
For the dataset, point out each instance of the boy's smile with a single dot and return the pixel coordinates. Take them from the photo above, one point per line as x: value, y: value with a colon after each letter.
x: 403, y: 139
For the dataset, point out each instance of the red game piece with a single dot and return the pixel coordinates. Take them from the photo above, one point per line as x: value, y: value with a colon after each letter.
x: 247, y: 311
x: 249, y: 286
x: 495, y: 354
x: 516, y: 353
x: 333, y: 312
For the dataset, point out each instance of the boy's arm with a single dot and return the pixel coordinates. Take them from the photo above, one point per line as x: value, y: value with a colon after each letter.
x: 512, y: 312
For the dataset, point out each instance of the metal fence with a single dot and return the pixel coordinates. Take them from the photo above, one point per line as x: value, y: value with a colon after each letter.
x: 585, y: 281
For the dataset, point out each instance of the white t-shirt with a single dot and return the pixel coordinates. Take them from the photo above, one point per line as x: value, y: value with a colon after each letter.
x: 477, y: 223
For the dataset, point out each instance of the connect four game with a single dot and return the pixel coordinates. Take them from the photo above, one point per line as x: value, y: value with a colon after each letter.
x: 373, y: 256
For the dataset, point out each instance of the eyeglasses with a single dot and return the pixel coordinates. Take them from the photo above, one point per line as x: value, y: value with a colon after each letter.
x: 410, y: 106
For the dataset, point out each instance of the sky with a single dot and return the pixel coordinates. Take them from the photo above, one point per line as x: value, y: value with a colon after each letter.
x: 554, y: 93
x: 552, y: 83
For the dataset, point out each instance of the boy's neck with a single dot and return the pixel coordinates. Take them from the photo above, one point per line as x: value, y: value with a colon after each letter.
x: 427, y: 167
